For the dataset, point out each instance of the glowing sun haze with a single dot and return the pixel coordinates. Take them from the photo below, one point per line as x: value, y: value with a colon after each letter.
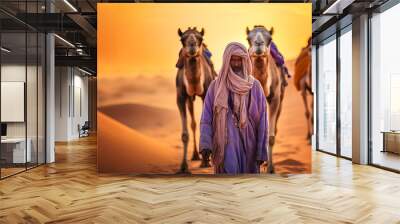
x: 142, y: 39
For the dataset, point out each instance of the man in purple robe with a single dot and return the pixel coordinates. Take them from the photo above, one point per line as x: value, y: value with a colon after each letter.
x: 233, y: 127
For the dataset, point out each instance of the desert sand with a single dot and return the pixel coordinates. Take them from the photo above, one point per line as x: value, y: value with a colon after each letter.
x: 125, y: 150
x: 140, y: 128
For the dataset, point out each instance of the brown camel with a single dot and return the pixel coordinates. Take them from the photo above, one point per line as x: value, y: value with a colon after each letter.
x: 195, y: 73
x: 302, y: 81
x: 271, y: 78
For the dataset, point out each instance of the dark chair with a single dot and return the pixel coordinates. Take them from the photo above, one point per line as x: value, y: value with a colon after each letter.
x: 84, y: 130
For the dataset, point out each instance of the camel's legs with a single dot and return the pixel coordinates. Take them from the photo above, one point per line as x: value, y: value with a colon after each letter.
x: 305, y: 101
x: 311, y: 108
x: 181, y: 101
x: 273, y: 112
x: 280, y: 107
x: 270, y: 165
x: 273, y: 115
x: 190, y: 102
x: 312, y: 114
x: 303, y: 86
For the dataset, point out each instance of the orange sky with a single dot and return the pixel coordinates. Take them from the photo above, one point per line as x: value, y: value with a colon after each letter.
x: 142, y: 39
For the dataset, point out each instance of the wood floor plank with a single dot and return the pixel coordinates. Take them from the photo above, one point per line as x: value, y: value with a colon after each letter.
x: 71, y: 191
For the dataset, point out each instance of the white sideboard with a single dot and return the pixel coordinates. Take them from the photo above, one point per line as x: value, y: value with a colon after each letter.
x: 18, y: 149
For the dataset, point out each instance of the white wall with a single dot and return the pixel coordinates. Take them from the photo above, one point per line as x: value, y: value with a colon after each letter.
x: 33, y: 126
x: 71, y: 102
x: 80, y: 110
x: 62, y: 81
x: 12, y: 73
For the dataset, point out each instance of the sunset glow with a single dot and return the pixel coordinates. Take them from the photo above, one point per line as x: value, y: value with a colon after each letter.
x: 142, y: 39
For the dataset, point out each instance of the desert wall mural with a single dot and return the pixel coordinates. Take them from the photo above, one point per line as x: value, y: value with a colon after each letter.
x: 204, y: 88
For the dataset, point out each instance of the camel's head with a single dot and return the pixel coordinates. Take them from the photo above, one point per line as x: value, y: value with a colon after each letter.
x: 192, y: 41
x: 259, y: 39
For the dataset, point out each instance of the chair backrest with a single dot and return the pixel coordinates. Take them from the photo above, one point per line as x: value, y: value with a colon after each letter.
x: 86, y: 124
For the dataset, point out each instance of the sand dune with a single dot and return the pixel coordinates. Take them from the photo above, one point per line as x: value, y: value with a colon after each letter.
x: 161, y: 124
x: 124, y: 150
x: 158, y: 91
x: 153, y: 128
x: 142, y: 117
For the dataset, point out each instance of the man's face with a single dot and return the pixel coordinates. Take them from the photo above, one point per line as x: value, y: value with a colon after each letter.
x: 236, y: 64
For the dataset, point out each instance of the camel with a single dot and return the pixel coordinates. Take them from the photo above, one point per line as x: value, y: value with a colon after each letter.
x: 195, y: 73
x: 302, y: 81
x: 271, y: 78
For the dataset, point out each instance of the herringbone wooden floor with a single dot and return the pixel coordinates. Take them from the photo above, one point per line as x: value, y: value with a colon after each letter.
x: 70, y: 191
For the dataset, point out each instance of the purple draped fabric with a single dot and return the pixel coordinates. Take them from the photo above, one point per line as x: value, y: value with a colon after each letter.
x: 245, y: 146
x: 277, y: 55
